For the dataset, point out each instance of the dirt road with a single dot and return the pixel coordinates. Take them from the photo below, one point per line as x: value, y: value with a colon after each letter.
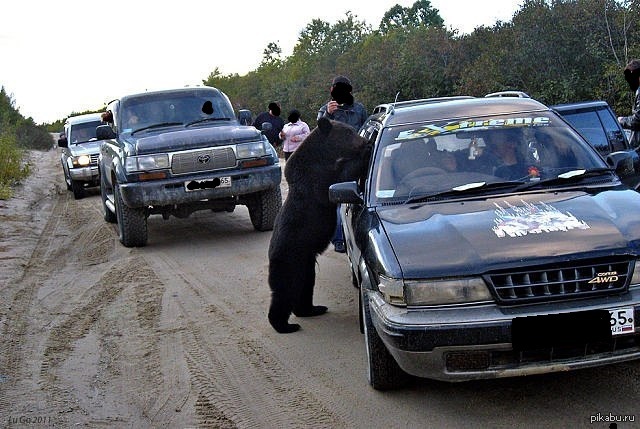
x: 175, y: 335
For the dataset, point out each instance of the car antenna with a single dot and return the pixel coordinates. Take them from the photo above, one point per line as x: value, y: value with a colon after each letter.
x: 394, y: 103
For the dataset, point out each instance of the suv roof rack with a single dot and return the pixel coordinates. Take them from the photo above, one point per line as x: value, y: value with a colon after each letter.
x: 517, y: 94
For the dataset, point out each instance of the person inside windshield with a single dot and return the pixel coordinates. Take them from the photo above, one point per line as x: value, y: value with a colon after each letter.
x: 501, y: 157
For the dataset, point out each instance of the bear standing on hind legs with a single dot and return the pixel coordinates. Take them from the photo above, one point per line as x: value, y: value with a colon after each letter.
x: 332, y: 153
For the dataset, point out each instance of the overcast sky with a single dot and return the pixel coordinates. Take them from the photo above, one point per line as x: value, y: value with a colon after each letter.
x: 61, y: 56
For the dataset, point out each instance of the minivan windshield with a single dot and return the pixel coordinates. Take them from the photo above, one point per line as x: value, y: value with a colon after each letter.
x: 480, y: 154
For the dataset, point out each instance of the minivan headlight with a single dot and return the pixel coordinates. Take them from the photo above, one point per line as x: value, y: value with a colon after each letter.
x: 635, y: 279
x: 146, y: 162
x: 251, y: 150
x: 446, y: 291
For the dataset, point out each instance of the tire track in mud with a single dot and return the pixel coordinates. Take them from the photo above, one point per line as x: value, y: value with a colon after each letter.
x: 16, y: 314
x: 239, y: 382
x: 122, y: 311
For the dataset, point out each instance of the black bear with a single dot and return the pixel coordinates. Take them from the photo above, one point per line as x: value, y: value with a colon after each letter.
x: 332, y: 153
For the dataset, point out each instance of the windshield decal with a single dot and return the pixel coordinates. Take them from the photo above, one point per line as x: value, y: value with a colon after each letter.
x: 530, y: 218
x: 471, y: 125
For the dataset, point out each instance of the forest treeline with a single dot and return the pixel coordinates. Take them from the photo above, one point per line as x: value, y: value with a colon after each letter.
x: 557, y: 51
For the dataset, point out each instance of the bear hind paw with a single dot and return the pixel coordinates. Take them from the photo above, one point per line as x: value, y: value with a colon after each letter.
x: 315, y: 310
x: 284, y: 327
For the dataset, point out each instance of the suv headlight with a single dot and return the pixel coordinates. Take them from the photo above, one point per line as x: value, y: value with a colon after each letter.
x: 251, y: 150
x: 146, y: 162
x: 81, y: 161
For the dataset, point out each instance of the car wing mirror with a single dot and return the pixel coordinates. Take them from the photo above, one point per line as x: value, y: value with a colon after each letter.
x: 62, y: 141
x: 345, y: 193
x: 621, y: 162
x: 266, y: 126
x: 104, y: 132
x: 244, y: 116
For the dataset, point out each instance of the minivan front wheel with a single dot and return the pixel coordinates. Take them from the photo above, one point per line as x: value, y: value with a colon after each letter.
x: 383, y: 371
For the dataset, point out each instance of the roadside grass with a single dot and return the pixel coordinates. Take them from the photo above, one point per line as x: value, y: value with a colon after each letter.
x: 12, y: 168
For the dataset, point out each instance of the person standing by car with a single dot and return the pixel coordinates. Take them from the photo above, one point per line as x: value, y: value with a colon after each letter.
x: 272, y: 116
x: 632, y: 122
x: 343, y: 108
x: 293, y: 133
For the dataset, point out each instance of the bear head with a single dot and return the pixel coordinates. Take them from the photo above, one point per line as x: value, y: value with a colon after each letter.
x: 332, y: 147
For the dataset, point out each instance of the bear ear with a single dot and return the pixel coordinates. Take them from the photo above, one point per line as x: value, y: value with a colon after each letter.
x: 325, y: 125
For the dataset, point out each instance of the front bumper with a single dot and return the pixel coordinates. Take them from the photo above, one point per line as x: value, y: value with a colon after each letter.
x: 84, y: 174
x: 475, y: 342
x: 172, y: 191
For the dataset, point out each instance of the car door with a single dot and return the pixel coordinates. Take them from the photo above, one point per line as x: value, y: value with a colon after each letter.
x: 597, y: 123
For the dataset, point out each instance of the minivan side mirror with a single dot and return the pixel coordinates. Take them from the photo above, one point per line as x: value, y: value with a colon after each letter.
x: 621, y: 162
x: 345, y: 193
x: 104, y: 132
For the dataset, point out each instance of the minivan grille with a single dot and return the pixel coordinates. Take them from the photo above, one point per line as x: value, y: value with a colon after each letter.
x: 574, y: 280
x: 202, y: 160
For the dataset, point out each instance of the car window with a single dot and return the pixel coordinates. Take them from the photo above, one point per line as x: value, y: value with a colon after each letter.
x: 435, y: 157
x: 589, y: 124
x: 83, y: 132
x: 145, y: 111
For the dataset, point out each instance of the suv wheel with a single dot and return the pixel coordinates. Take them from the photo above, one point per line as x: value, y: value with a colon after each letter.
x: 132, y: 222
x: 67, y: 180
x: 109, y: 216
x: 383, y: 371
x: 78, y: 189
x: 264, y: 207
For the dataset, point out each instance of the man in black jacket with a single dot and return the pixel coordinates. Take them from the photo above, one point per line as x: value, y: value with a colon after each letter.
x: 632, y: 122
x: 277, y: 123
x: 342, y: 108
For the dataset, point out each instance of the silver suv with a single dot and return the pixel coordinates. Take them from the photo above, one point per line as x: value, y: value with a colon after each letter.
x: 80, y: 151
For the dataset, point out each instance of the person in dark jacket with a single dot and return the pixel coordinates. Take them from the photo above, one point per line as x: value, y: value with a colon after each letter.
x: 342, y: 108
x: 277, y: 123
x: 632, y: 122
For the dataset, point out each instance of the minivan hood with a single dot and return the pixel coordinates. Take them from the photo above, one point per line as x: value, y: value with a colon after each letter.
x: 169, y: 140
x: 473, y: 237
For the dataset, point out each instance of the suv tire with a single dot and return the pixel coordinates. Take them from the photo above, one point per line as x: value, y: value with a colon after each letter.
x: 67, y: 180
x: 109, y: 216
x: 383, y: 371
x: 132, y: 222
x: 263, y: 208
x: 78, y: 189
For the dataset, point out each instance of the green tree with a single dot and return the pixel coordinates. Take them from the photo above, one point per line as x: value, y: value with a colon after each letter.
x: 418, y: 15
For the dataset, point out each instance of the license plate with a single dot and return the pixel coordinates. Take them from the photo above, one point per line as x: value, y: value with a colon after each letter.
x: 622, y: 321
x: 218, y: 182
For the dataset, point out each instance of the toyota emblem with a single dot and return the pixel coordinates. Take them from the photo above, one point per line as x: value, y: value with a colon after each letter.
x: 203, y: 159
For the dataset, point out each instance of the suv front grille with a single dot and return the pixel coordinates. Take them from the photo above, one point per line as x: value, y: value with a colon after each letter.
x: 94, y: 158
x: 577, y: 279
x: 202, y: 160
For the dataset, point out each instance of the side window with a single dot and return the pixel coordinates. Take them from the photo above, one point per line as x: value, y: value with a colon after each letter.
x: 612, y: 130
x: 590, y: 127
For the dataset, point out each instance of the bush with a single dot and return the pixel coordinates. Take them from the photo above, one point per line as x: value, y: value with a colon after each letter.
x: 12, y: 168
